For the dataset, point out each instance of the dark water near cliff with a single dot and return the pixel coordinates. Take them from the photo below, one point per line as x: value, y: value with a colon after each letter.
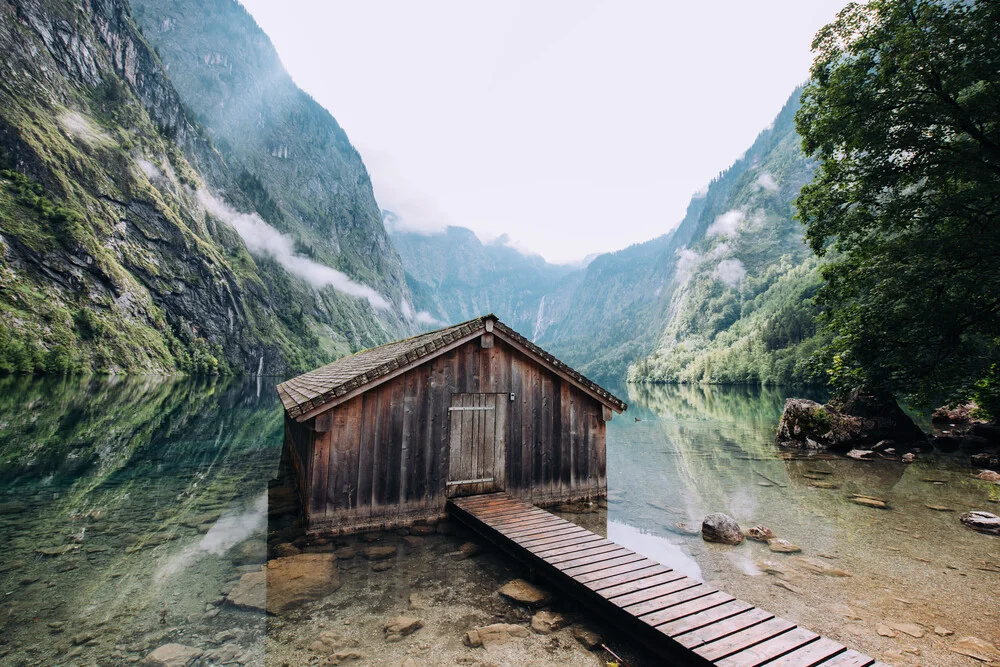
x: 129, y: 508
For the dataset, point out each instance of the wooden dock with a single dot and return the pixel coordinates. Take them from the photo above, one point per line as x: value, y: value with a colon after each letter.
x: 682, y: 620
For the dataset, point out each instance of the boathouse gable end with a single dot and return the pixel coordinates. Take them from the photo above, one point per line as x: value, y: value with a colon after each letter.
x: 475, y: 409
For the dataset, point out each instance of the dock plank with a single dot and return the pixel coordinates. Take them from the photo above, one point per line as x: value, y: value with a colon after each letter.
x: 811, y: 654
x: 677, y: 616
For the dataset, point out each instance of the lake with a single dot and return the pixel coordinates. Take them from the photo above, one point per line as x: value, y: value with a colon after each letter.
x: 131, y: 507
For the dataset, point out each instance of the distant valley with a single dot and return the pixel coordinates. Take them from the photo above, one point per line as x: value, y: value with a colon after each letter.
x: 170, y: 201
x: 725, y: 296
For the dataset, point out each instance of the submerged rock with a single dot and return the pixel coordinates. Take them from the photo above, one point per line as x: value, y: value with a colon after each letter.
x: 977, y: 648
x: 721, y: 528
x: 984, y: 522
x: 783, y: 546
x: 861, y: 419
x: 525, y: 593
x: 401, y: 626
x: 545, y: 622
x: 380, y: 553
x: 286, y: 582
x: 760, y: 533
x: 497, y: 633
x: 172, y: 655
x: 869, y: 501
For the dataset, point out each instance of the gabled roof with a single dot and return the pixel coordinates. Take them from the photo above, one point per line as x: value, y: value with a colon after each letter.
x: 302, y: 395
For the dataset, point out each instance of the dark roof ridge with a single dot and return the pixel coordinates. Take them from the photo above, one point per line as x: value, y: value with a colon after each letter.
x: 308, y: 392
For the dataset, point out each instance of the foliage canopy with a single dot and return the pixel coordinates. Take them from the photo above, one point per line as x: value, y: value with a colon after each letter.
x: 903, y: 113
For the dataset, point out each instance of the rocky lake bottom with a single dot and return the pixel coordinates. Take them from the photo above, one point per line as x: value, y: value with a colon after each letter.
x: 146, y: 522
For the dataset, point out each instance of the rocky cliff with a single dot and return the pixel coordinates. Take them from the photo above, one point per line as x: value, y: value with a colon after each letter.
x: 125, y: 234
x: 289, y: 154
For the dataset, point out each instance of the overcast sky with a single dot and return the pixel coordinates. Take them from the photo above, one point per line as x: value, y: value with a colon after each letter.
x: 575, y: 126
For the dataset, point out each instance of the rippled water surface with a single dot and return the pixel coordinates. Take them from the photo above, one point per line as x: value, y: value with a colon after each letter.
x: 130, y: 511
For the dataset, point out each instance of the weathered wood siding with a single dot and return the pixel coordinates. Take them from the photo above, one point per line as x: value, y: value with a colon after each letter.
x: 384, y: 459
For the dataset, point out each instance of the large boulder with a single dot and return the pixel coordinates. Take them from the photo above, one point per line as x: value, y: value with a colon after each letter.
x: 957, y: 414
x: 860, y: 420
x: 286, y: 582
x: 984, y: 522
x: 722, y: 528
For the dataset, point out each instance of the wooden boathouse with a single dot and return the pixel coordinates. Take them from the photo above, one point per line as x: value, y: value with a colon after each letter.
x: 384, y: 437
x: 475, y: 421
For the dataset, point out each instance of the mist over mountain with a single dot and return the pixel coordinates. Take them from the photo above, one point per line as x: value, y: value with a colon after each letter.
x: 172, y: 201
x: 135, y: 237
x: 724, y: 296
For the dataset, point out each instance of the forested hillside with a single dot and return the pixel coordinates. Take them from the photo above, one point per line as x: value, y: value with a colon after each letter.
x: 724, y: 297
x: 741, y: 308
x: 129, y: 243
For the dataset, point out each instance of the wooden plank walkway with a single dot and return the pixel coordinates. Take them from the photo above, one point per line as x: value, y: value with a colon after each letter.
x: 683, y: 620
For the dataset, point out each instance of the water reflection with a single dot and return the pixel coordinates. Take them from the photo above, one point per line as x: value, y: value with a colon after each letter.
x: 112, y: 492
x: 132, y: 509
x: 686, y: 451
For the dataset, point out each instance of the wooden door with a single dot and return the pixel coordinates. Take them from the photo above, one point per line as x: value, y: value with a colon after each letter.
x: 477, y: 443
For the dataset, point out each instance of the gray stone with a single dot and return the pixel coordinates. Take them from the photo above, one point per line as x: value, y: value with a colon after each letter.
x: 984, y: 522
x: 721, y: 528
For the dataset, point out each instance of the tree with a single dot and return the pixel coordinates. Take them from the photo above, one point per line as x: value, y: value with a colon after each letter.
x: 903, y: 114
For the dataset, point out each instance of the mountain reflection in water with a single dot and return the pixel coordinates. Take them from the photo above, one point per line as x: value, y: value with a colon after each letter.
x: 131, y: 507
x: 698, y: 449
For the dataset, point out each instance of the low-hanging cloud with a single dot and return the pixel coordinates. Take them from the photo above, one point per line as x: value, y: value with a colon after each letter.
x: 687, y: 261
x: 421, y: 317
x: 766, y: 181
x: 726, y: 224
x: 731, y: 272
x: 262, y: 238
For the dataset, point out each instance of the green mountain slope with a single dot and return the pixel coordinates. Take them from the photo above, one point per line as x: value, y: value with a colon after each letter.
x: 290, y: 155
x: 740, y: 309
x: 121, y: 248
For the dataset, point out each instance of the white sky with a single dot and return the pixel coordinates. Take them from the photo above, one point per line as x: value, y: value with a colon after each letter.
x: 575, y: 126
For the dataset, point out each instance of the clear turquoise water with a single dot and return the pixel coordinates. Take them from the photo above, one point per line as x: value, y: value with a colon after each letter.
x: 130, y: 507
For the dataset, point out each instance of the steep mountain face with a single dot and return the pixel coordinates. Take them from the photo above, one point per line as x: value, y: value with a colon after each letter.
x: 740, y: 306
x: 291, y: 157
x: 121, y: 244
x: 454, y: 276
x: 724, y: 297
